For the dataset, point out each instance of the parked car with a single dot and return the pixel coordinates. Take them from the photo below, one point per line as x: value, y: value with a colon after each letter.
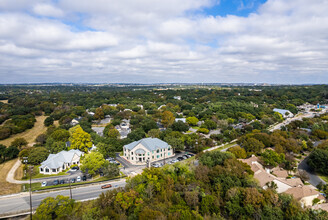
x: 78, y: 179
x: 191, y: 155
x: 55, y: 182
x: 44, y: 183
x: 106, y: 186
x: 73, y: 180
x: 75, y: 168
x: 185, y: 157
x: 175, y: 160
x: 180, y: 158
x: 61, y: 181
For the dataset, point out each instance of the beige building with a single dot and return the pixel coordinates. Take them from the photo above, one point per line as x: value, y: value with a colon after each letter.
x: 147, y: 149
x: 305, y: 194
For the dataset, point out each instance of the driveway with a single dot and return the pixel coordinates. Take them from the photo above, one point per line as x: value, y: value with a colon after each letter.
x: 313, y: 178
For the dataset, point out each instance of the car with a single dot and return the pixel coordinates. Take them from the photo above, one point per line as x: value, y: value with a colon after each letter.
x: 84, y: 178
x: 78, y: 179
x: 61, y: 181
x: 116, y: 186
x: 44, y: 183
x: 184, y: 157
x: 73, y: 180
x: 75, y: 168
x: 191, y: 155
x: 106, y: 186
x: 180, y: 158
x: 55, y: 182
x: 175, y: 160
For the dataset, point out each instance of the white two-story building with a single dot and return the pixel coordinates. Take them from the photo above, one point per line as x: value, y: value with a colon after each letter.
x: 147, y: 149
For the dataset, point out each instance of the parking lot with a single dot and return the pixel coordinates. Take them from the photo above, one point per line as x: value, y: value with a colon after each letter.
x: 178, y: 157
x: 75, y: 176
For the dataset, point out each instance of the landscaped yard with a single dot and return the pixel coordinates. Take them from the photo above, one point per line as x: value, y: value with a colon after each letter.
x: 37, y: 174
x: 7, y: 188
x: 29, y: 134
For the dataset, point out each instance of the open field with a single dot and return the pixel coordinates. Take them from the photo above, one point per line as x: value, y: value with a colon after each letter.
x: 7, y: 188
x: 4, y: 101
x: 29, y: 134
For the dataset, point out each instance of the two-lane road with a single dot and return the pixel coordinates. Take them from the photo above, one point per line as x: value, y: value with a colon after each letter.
x: 21, y: 202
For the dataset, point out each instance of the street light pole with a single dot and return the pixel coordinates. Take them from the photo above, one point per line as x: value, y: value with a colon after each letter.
x: 30, y: 169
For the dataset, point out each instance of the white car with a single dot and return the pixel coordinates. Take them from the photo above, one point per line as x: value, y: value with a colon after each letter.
x: 44, y: 183
x: 78, y: 179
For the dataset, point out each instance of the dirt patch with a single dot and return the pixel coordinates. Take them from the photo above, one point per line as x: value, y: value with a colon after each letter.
x: 4, y: 101
x: 56, y: 123
x: 29, y: 134
x: 7, y: 188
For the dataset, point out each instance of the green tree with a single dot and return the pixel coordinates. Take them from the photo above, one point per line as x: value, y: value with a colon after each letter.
x: 176, y: 143
x: 48, y: 121
x: 99, y: 114
x: 37, y: 155
x: 19, y: 143
x: 167, y: 118
x: 113, y: 134
x: 80, y: 139
x: 180, y: 126
x: 111, y: 170
x: 238, y: 152
x: 93, y: 162
x: 271, y: 158
x: 154, y: 133
x: 214, y: 158
x: 60, y: 135
x: 253, y: 145
x: 318, y: 160
x: 60, y: 207
x: 192, y: 121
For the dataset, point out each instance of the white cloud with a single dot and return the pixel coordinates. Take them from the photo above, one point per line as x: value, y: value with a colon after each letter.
x: 162, y: 41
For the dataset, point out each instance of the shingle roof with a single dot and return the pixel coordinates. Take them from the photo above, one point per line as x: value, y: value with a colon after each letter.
x: 149, y: 143
x: 301, y: 192
x: 55, y: 161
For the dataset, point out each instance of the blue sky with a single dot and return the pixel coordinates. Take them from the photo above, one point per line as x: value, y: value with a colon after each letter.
x: 142, y: 41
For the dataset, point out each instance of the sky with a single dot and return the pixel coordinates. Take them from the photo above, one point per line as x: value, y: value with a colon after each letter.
x: 171, y: 41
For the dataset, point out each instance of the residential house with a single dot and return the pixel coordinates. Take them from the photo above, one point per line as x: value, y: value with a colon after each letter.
x: 75, y: 121
x: 305, y: 194
x: 124, y: 128
x: 285, y: 113
x: 323, y: 206
x: 56, y: 163
x: 180, y: 119
x: 147, y: 149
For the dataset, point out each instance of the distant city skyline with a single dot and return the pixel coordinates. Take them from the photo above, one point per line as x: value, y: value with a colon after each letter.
x: 172, y: 41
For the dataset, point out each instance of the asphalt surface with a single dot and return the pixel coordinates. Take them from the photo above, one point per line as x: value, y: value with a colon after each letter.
x: 313, y: 178
x: 21, y: 202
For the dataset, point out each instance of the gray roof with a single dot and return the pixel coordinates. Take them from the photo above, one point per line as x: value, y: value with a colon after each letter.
x: 281, y: 111
x: 140, y: 151
x: 149, y: 143
x: 55, y: 161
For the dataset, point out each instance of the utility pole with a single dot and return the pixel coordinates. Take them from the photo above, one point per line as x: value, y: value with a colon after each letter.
x: 30, y: 169
x: 70, y: 188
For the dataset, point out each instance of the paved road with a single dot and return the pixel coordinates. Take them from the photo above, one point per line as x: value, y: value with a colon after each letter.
x: 21, y: 203
x: 313, y: 179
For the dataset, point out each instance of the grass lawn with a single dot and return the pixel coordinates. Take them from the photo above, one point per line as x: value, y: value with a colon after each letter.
x: 37, y: 174
x: 29, y: 134
x: 225, y: 146
x: 324, y: 178
x: 7, y: 188
x: 195, y: 127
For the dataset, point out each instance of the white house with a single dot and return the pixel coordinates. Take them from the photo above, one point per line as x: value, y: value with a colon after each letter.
x: 181, y: 119
x: 147, y: 149
x: 285, y: 113
x: 56, y: 163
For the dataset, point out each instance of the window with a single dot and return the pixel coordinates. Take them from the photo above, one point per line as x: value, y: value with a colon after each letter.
x: 153, y: 152
x: 169, y: 148
x: 47, y: 170
x: 161, y: 155
x: 148, y: 154
x: 161, y: 150
x: 124, y: 154
x: 131, y: 153
x: 157, y: 156
x: 41, y: 169
x: 168, y: 153
x: 131, y: 158
x: 158, y: 151
x: 153, y: 157
x: 54, y: 170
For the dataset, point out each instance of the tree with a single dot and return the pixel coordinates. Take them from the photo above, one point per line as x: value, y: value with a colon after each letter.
x: 2, y: 152
x: 111, y: 170
x: 154, y: 133
x: 209, y: 124
x: 192, y: 121
x: 238, y: 152
x: 214, y: 158
x: 99, y: 114
x: 93, y: 162
x: 175, y: 142
x: 318, y: 160
x: 253, y: 145
x: 167, y: 118
x: 106, y: 149
x: 19, y: 143
x: 203, y: 130
x: 48, y: 121
x: 80, y: 139
x: 271, y: 158
x: 60, y: 207
x: 113, y: 134
x: 60, y: 135
x: 41, y: 138
x: 180, y: 126
x: 11, y: 153
x: 148, y: 124
x: 37, y: 155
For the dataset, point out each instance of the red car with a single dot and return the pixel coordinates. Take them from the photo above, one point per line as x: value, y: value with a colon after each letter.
x: 106, y: 186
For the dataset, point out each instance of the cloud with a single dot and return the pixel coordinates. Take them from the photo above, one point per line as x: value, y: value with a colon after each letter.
x: 162, y: 41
